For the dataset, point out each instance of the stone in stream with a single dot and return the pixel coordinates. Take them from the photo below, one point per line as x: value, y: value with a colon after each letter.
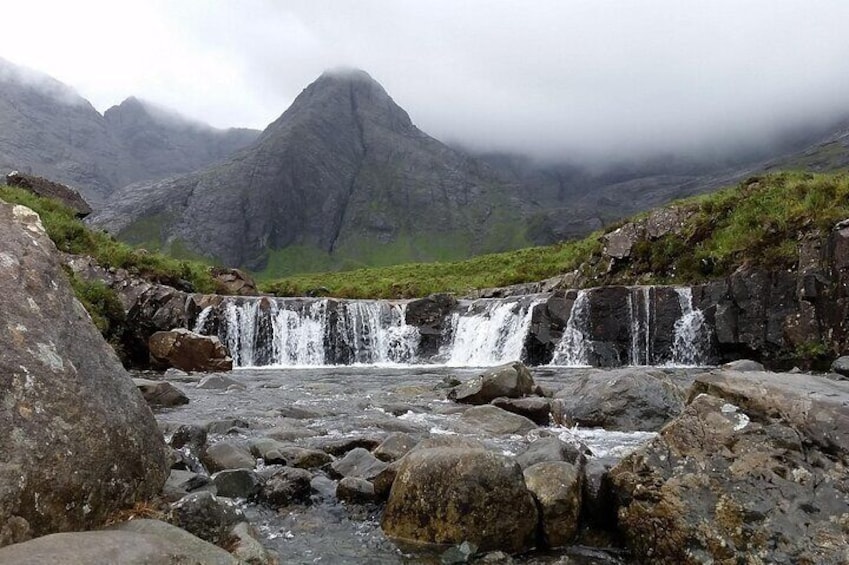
x: 513, y: 380
x: 622, y: 399
x: 227, y: 455
x: 137, y: 542
x: 358, y: 463
x: 355, y: 490
x: 160, y: 393
x: 743, y: 365
x: 226, y: 426
x: 495, y: 421
x: 285, y: 485
x: 246, y: 547
x: 552, y: 449
x: 274, y: 452
x: 395, y: 446
x: 536, y: 409
x: 205, y: 515
x: 189, y: 435
x: 188, y: 351
x: 755, y: 465
x: 450, y: 495
x: 79, y: 441
x: 599, y: 507
x: 556, y: 486
x: 219, y: 382
x: 180, y: 483
x: 237, y: 483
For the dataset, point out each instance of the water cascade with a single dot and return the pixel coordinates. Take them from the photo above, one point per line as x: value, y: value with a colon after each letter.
x: 572, y: 350
x: 692, y: 338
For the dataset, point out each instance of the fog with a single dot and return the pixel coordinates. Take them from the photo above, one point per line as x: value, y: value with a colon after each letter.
x: 589, y: 79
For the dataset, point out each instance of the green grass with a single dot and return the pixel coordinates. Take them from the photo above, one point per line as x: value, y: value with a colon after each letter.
x: 72, y: 236
x: 758, y: 222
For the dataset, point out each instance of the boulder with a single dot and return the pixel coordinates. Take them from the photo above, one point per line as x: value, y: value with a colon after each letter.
x: 160, y: 393
x: 599, y: 507
x: 623, y: 399
x: 512, y: 381
x: 495, y: 421
x: 205, y: 515
x: 48, y: 189
x: 431, y: 315
x: 395, y: 446
x: 188, y: 351
x: 450, y: 495
x: 285, y: 485
x: 180, y: 483
x: 355, y: 490
x: 743, y: 365
x: 754, y: 466
x: 358, y: 463
x: 190, y: 436
x: 556, y: 486
x: 137, y: 542
x: 237, y: 483
x: 246, y: 547
x: 227, y: 455
x: 534, y: 408
x: 551, y: 449
x: 234, y: 282
x: 79, y: 440
x: 841, y: 366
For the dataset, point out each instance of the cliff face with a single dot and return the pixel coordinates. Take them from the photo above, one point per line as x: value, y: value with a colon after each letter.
x: 342, y: 175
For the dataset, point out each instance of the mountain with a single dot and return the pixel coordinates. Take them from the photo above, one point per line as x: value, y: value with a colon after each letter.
x: 47, y: 129
x: 342, y: 178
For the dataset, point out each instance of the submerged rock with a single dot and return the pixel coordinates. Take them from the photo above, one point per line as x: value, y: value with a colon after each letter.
x: 754, y: 466
x: 450, y: 495
x: 79, y: 440
x: 160, y: 393
x: 512, y: 381
x: 205, y: 515
x: 188, y: 351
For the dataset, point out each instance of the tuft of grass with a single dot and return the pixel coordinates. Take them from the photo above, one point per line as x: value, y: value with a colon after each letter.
x: 72, y: 236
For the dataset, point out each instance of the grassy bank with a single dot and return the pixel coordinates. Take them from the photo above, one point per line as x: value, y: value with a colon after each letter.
x: 758, y: 222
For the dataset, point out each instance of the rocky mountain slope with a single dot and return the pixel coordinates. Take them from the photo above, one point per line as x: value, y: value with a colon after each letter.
x: 343, y: 177
x: 47, y: 129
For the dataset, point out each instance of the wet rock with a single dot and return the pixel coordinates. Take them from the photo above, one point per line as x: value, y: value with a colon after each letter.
x: 430, y: 315
x: 395, y: 446
x: 246, y: 547
x: 462, y: 553
x: 180, y: 483
x: 285, y: 486
x: 556, y: 486
x: 355, y: 490
x: 137, y: 542
x: 303, y: 457
x: 338, y: 447
x: 599, y: 507
x: 191, y: 436
x: 449, y: 495
x: 237, y: 483
x: 160, y: 393
x: 551, y: 449
x: 841, y: 366
x: 227, y: 455
x: 358, y: 463
x: 457, y: 441
x: 233, y: 282
x: 219, y: 382
x: 743, y: 365
x: 512, y: 381
x: 755, y: 465
x: 226, y: 425
x: 186, y: 350
x: 623, y: 399
x: 79, y: 441
x: 535, y: 409
x: 383, y: 481
x: 495, y: 421
x: 205, y: 515
x: 290, y: 431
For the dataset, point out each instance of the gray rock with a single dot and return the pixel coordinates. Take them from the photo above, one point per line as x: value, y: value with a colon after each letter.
x: 355, y: 490
x: 191, y: 436
x: 556, y: 486
x: 338, y: 447
x: 226, y: 425
x: 274, y: 452
x: 137, y: 542
x: 237, y: 483
x: 285, y: 486
x: 841, y: 366
x: 49, y: 189
x: 551, y: 449
x: 247, y: 547
x: 290, y: 431
x: 186, y: 350
x: 624, y: 399
x: 180, y: 483
x: 358, y: 463
x: 495, y: 421
x: 512, y: 381
x: 743, y: 365
x: 449, y: 495
x: 63, y: 387
x: 218, y: 382
x: 208, y: 517
x: 160, y: 393
x: 599, y: 506
x: 395, y: 446
x: 535, y: 409
x: 227, y: 455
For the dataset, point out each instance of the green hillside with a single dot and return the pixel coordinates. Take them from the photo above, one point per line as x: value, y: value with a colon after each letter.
x: 759, y: 222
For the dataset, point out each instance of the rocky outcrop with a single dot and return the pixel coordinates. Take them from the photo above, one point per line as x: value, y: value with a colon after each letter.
x: 450, y: 495
x: 754, y: 466
x: 49, y: 189
x: 234, y: 282
x: 509, y: 381
x: 432, y: 316
x: 188, y: 351
x: 80, y: 442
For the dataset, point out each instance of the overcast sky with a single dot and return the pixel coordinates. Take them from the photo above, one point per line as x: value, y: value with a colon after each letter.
x: 554, y: 77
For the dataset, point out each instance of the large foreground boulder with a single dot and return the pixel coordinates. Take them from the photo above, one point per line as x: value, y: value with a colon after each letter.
x: 448, y: 495
x: 755, y: 468
x: 513, y: 380
x: 78, y: 440
x: 188, y: 351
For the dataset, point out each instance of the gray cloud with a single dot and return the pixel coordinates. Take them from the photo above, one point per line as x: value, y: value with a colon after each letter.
x: 580, y: 79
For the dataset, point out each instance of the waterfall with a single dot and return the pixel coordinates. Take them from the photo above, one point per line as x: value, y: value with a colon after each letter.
x: 692, y: 340
x: 200, y: 324
x: 572, y: 350
x: 639, y: 310
x: 490, y: 331
x: 298, y: 334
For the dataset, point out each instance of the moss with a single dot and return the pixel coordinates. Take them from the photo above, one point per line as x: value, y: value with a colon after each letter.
x: 104, y: 307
